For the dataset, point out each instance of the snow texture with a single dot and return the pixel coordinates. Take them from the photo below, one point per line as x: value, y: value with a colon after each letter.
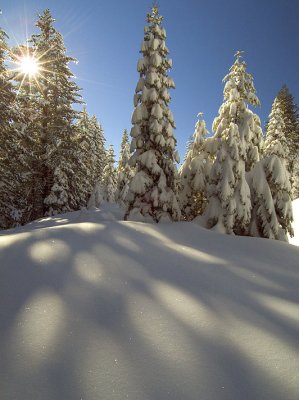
x: 96, y: 308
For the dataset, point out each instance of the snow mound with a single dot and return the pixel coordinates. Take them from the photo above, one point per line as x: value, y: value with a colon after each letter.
x: 93, y: 307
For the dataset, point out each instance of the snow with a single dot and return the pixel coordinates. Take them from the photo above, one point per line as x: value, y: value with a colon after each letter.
x: 93, y: 307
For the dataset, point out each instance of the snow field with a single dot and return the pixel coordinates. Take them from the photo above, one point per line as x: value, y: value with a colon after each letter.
x: 97, y: 308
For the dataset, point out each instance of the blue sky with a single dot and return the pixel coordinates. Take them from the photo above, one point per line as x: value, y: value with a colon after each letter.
x: 202, y: 36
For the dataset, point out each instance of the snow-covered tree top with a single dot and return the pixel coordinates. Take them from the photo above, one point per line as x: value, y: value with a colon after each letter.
x: 154, y: 17
x: 239, y: 83
x: 198, y: 136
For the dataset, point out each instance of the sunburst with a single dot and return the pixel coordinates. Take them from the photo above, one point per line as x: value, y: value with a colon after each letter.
x: 30, y: 68
x: 28, y: 65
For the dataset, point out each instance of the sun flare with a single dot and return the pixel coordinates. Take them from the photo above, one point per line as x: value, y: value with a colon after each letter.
x: 28, y: 65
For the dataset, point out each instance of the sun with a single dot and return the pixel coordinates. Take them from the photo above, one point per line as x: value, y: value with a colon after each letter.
x: 28, y: 65
x: 28, y: 68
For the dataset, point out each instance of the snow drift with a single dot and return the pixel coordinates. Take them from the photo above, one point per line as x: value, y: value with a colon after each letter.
x: 96, y: 308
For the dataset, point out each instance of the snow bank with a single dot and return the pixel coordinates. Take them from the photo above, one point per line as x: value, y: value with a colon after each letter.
x: 95, y: 308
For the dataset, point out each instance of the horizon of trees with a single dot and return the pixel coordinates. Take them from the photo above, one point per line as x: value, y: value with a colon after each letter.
x: 53, y: 157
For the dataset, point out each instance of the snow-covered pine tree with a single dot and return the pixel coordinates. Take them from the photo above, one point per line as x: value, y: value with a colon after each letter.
x: 271, y: 194
x: 98, y: 148
x: 96, y: 197
x: 27, y: 101
x: 289, y: 128
x: 12, y: 170
x: 276, y: 129
x: 238, y: 133
x: 124, y: 171
x: 109, y: 180
x: 58, y: 93
x: 89, y: 142
x: 82, y: 184
x: 194, y: 173
x: 153, y: 189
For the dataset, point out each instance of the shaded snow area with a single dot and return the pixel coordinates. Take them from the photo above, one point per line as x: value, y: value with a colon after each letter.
x: 94, y: 308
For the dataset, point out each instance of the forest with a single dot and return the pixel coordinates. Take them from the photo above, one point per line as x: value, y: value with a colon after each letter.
x: 54, y: 159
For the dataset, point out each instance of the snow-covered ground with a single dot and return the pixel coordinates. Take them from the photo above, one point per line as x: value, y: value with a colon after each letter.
x: 94, y: 308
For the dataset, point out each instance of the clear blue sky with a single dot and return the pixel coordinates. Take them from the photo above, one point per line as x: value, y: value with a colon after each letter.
x: 202, y: 36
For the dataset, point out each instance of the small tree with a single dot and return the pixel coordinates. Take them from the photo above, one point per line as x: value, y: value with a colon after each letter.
x: 238, y: 133
x: 109, y: 180
x: 124, y: 171
x: 91, y: 158
x: 271, y: 190
x: 194, y: 174
x: 285, y: 111
x: 98, y: 148
x: 153, y: 190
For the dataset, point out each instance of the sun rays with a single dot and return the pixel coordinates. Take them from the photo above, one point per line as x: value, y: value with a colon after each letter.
x: 31, y: 69
x: 28, y: 66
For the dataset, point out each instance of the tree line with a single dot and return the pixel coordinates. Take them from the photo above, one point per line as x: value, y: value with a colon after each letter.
x: 53, y: 158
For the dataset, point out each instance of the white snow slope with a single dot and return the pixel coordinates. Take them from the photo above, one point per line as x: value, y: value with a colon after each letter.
x: 92, y: 308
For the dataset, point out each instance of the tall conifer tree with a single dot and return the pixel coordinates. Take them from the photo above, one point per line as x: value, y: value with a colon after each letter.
x: 153, y: 190
x: 12, y: 201
x: 238, y: 133
x: 58, y: 93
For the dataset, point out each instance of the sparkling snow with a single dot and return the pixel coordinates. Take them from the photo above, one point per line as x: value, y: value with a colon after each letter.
x: 93, y: 308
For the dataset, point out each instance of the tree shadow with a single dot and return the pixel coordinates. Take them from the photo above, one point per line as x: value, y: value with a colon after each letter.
x: 128, y: 310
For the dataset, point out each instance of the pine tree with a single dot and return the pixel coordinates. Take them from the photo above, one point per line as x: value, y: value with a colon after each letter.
x: 124, y: 171
x: 194, y: 173
x: 238, y: 133
x: 58, y: 93
x: 271, y: 194
x: 89, y: 142
x: 109, y: 180
x: 98, y: 148
x: 288, y: 129
x: 276, y: 131
x: 153, y: 190
x: 29, y: 131
x: 12, y: 171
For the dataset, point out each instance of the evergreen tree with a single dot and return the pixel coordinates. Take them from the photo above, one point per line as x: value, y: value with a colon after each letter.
x: 12, y: 201
x: 58, y: 92
x: 124, y: 171
x: 271, y: 190
x: 284, y: 105
x: 27, y: 101
x: 109, y: 180
x: 91, y: 158
x: 153, y: 190
x: 98, y: 148
x: 276, y: 131
x: 238, y: 133
x: 194, y: 174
